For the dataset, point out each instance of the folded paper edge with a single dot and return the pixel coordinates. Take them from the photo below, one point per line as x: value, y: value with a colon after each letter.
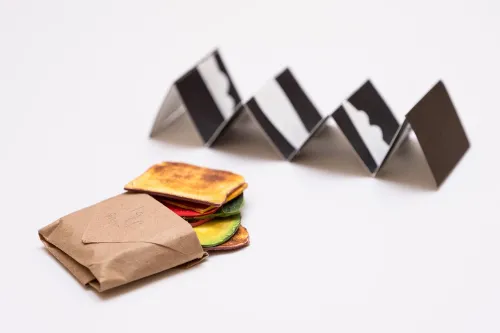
x: 96, y: 285
x: 80, y: 272
x: 194, y: 262
x: 85, y: 276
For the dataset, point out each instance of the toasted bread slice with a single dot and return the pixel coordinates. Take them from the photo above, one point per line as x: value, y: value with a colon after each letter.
x: 199, y: 208
x: 187, y: 182
x: 232, y: 207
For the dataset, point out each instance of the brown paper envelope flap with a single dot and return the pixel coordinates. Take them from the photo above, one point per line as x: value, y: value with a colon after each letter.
x: 134, y: 217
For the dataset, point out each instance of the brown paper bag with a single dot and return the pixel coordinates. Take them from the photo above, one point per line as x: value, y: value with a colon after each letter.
x: 121, y: 239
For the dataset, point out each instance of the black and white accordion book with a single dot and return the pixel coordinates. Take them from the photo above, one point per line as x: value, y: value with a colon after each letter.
x: 208, y: 95
x: 289, y: 119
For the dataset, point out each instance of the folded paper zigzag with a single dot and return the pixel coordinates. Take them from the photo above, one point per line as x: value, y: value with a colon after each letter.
x: 289, y: 119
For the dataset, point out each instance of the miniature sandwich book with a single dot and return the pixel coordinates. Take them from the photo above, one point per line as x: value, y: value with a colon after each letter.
x: 209, y: 200
x: 173, y: 214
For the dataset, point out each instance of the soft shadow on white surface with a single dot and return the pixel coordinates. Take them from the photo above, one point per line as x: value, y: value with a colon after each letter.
x: 245, y: 139
x: 409, y: 168
x: 330, y: 151
x: 181, y: 133
x: 142, y: 283
x: 165, y: 275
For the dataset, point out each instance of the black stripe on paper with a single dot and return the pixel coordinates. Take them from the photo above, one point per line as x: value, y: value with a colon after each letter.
x: 352, y: 135
x: 228, y: 124
x: 232, y: 89
x: 274, y: 135
x: 315, y: 131
x: 368, y: 100
x: 306, y: 110
x: 199, y: 104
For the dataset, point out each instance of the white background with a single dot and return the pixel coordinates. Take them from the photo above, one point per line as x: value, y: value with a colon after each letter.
x: 333, y: 250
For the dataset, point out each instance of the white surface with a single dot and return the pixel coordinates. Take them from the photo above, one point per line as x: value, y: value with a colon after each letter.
x: 333, y: 250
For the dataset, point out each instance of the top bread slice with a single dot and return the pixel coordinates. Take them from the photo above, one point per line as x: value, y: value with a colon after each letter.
x: 187, y: 182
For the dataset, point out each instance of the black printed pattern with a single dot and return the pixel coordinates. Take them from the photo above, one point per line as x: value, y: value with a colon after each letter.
x: 199, y: 103
x: 304, y: 110
x: 368, y: 100
x: 272, y: 133
x: 208, y: 119
x: 352, y: 134
x: 232, y: 88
